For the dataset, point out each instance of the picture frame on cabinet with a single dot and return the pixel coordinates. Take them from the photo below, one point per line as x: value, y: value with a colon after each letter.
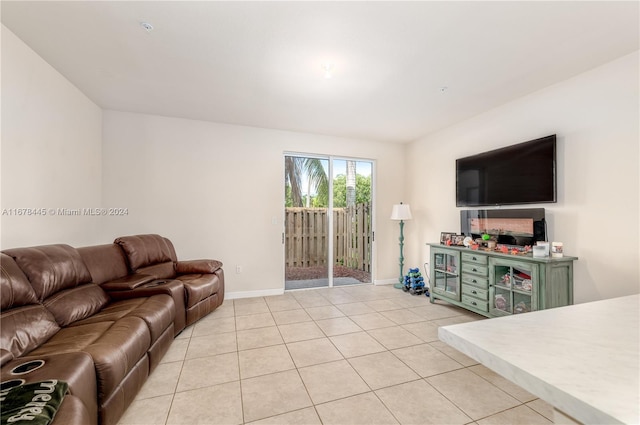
x: 445, y: 238
x: 457, y: 240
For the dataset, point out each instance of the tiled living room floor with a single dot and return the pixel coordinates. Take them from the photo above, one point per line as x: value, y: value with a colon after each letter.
x: 349, y: 355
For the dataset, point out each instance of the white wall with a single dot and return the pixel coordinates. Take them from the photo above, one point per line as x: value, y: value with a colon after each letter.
x: 596, y: 117
x: 51, y: 151
x: 217, y: 191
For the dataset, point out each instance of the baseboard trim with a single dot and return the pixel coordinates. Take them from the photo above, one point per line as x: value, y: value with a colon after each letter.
x: 274, y: 292
x: 253, y: 294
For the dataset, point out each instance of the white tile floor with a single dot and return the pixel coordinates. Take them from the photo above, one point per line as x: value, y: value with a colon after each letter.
x: 348, y: 355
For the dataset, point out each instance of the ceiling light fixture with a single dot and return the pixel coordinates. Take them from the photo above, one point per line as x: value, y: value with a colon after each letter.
x: 147, y: 26
x: 328, y: 70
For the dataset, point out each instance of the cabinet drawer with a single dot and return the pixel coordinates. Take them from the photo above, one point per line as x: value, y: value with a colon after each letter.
x: 475, y: 258
x: 475, y: 303
x: 475, y: 280
x: 472, y: 291
x: 475, y: 268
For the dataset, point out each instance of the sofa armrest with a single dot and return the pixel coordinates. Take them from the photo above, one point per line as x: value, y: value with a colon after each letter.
x: 174, y: 288
x: 197, y: 266
x: 5, y: 356
x: 127, y: 283
x: 147, y: 289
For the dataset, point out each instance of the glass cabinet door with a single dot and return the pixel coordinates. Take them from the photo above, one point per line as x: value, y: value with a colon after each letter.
x: 512, y: 287
x: 445, y: 274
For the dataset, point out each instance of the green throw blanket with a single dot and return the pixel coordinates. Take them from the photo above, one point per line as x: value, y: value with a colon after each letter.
x: 35, y: 403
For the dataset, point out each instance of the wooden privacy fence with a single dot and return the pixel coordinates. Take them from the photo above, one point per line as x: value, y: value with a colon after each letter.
x: 306, y: 237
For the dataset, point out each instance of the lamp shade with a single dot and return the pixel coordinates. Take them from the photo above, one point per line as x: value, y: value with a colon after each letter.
x: 401, y: 212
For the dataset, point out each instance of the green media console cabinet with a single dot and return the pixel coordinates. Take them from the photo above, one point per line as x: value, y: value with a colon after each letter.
x: 495, y: 284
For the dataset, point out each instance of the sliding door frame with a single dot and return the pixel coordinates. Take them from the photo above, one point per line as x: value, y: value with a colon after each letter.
x: 330, y: 242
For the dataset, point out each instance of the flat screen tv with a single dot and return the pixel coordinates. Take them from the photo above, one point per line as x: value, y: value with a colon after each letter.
x: 524, y: 173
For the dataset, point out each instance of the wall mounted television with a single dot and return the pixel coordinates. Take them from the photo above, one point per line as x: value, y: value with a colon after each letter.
x: 524, y: 173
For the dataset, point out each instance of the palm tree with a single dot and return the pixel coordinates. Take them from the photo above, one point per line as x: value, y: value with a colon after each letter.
x: 292, y: 176
x: 317, y: 175
x: 351, y: 183
x: 294, y: 167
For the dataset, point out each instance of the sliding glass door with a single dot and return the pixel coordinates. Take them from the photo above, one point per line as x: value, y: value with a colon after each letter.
x: 352, y: 232
x: 306, y: 224
x: 328, y: 233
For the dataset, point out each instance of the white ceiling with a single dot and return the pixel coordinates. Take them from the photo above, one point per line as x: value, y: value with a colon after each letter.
x: 260, y: 63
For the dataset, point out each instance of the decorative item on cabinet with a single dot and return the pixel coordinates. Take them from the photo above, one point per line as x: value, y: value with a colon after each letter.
x: 500, y: 302
x: 445, y: 238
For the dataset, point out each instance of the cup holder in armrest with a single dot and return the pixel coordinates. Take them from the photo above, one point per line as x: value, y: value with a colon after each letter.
x: 7, y: 385
x: 27, y: 367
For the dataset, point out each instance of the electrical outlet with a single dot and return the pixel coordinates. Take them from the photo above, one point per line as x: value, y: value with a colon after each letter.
x: 238, y: 269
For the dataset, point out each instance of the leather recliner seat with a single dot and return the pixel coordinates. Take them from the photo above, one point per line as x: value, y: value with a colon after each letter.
x: 203, y: 280
x: 108, y: 267
x: 26, y: 324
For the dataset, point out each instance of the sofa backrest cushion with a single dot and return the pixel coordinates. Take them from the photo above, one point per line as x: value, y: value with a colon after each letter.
x: 105, y: 262
x: 146, y: 250
x: 51, y: 268
x: 15, y: 288
x: 159, y: 271
x: 26, y: 324
x: 61, y: 281
x: 26, y: 328
x: 76, y: 303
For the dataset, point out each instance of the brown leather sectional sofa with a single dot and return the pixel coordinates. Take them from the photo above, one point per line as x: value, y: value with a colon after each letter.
x: 99, y: 318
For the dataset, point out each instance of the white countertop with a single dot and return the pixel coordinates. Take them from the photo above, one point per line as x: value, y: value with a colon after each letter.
x: 583, y: 359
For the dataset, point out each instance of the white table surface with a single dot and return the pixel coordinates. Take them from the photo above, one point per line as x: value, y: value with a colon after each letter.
x: 583, y: 359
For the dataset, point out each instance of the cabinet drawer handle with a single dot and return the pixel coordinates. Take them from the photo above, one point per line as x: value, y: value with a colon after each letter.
x: 474, y: 292
x: 474, y: 269
x: 473, y: 303
x: 474, y: 281
x: 474, y: 258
